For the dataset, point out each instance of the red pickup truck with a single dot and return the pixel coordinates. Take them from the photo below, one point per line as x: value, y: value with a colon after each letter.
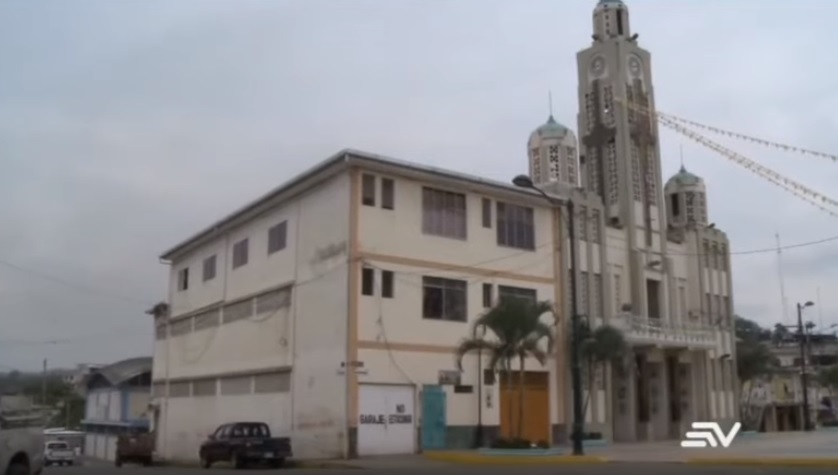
x: 243, y: 444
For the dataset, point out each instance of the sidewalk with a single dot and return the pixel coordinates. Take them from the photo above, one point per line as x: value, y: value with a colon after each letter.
x: 817, y: 448
x: 811, y: 449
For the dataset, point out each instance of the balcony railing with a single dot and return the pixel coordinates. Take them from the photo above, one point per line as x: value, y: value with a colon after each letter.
x: 652, y: 331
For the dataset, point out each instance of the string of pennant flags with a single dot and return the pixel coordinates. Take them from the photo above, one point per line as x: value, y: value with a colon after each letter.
x: 679, y: 125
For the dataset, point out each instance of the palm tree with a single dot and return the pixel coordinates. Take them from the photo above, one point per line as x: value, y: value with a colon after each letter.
x: 605, y: 344
x: 515, y: 330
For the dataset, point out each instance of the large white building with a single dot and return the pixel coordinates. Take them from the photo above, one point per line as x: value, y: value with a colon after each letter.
x: 331, y: 307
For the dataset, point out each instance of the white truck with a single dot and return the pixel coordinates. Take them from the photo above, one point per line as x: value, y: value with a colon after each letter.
x: 21, y: 443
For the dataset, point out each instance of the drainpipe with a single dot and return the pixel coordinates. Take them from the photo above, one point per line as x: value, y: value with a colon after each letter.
x: 479, y: 442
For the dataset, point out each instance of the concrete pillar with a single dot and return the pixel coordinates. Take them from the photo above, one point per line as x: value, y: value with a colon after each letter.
x: 624, y: 413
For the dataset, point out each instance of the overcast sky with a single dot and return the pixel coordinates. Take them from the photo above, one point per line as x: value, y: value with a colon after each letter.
x: 126, y: 126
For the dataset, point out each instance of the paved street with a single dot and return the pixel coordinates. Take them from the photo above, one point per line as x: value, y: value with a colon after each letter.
x: 604, y: 469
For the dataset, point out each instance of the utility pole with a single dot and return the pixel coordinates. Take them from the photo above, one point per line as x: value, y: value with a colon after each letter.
x: 44, y: 385
x: 804, y: 379
x: 578, y: 427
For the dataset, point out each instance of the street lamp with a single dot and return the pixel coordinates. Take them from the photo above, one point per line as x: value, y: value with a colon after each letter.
x: 807, y: 425
x: 523, y: 181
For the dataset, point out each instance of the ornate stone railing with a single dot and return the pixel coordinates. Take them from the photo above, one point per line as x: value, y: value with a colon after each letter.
x: 642, y: 330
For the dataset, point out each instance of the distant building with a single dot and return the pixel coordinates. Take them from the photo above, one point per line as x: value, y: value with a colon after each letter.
x: 779, y: 398
x: 117, y: 402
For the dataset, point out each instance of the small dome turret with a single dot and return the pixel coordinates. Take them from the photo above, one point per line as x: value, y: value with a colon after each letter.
x: 686, y: 200
x: 552, y: 151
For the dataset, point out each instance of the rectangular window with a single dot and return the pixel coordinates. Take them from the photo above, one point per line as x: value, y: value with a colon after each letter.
x: 487, y: 295
x: 387, y: 284
x: 368, y: 190
x: 618, y: 291
x: 367, y: 281
x: 236, y: 385
x: 443, y: 213
x: 277, y: 237
x: 515, y: 226
x: 444, y: 299
x: 240, y: 253
x: 682, y: 303
x: 507, y: 292
x: 204, y: 387
x: 487, y: 213
x: 209, y: 268
x: 272, y: 383
x: 183, y: 279
x: 388, y: 193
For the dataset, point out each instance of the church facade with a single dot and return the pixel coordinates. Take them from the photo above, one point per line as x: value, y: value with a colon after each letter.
x: 649, y: 260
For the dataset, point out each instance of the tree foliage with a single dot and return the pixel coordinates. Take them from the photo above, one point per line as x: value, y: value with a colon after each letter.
x: 598, y: 347
x: 512, y: 329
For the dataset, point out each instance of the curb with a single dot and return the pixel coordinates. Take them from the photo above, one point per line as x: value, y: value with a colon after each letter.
x: 320, y: 464
x: 766, y: 462
x: 478, y: 459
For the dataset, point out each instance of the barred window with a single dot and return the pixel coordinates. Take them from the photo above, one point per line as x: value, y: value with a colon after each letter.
x: 444, y: 213
x: 516, y: 227
x: 236, y: 385
x: 507, y: 292
x: 207, y: 319
x: 182, y: 326
x: 272, y: 383
x: 238, y: 311
x: 204, y: 387
x: 180, y: 389
x: 444, y: 299
x: 272, y: 301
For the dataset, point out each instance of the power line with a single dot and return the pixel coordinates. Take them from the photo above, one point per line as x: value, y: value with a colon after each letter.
x: 73, y: 285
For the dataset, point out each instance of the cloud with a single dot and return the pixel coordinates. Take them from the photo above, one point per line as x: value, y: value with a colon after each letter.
x: 125, y: 129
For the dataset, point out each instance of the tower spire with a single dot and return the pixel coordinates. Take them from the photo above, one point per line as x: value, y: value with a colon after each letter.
x: 550, y: 102
x: 682, y: 158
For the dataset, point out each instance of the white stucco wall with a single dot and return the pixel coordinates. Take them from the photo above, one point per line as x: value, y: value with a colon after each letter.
x: 309, y: 335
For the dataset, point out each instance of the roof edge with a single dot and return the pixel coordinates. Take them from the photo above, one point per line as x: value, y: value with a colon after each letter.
x: 228, y: 219
x: 347, y: 157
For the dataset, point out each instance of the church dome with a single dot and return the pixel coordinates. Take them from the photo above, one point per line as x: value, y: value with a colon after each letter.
x: 551, y: 129
x: 684, y: 178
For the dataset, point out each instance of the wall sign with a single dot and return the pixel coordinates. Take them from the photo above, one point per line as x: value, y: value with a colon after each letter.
x: 398, y: 418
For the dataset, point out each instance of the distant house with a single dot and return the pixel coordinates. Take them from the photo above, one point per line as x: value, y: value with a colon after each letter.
x: 117, y: 403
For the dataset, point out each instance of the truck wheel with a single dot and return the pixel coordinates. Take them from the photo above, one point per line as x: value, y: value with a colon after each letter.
x: 205, y: 462
x: 238, y: 461
x: 278, y: 463
x: 117, y: 461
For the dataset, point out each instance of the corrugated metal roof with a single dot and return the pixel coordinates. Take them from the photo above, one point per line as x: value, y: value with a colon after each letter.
x: 124, y: 370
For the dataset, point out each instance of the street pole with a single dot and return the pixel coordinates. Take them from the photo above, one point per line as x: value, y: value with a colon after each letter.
x: 807, y: 425
x: 575, y: 363
x: 44, y: 385
x: 578, y: 425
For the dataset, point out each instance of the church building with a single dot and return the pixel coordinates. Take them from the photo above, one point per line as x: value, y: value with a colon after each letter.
x: 650, y: 262
x: 332, y: 307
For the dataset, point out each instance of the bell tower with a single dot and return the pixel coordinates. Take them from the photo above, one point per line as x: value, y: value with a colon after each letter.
x: 618, y: 135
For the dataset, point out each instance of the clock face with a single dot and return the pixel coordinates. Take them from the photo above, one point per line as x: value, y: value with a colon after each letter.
x: 598, y: 66
x: 634, y: 66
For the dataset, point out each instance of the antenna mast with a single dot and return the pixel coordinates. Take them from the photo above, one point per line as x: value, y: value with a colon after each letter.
x: 784, y: 301
x: 820, y: 310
